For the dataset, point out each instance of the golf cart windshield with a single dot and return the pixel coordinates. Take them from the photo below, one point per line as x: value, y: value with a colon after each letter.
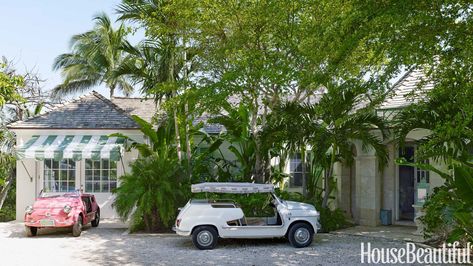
x: 232, y: 188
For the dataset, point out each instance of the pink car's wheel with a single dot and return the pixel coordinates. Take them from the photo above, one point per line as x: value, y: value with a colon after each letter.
x: 96, y: 220
x: 77, y: 227
x: 31, y: 231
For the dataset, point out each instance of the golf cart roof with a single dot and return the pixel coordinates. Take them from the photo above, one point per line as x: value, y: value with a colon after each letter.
x: 235, y: 188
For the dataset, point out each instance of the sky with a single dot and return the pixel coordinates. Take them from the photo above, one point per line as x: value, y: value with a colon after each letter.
x: 33, y: 33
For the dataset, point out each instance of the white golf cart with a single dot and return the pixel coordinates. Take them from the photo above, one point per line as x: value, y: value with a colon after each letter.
x: 207, y: 220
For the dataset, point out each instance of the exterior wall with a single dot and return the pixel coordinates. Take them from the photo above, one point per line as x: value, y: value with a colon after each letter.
x: 28, y: 189
x: 368, y: 187
x: 390, y: 183
x: 342, y: 174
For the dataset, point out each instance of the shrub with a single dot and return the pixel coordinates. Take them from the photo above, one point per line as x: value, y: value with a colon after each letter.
x: 438, y: 208
x: 154, y: 188
x: 7, y: 213
x: 449, y: 210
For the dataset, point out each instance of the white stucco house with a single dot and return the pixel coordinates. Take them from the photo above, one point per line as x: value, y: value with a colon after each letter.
x: 363, y: 190
x: 68, y: 148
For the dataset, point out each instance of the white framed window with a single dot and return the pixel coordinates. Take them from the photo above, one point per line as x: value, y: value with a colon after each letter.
x: 59, y: 176
x: 100, y: 176
x: 422, y: 175
x: 295, y: 170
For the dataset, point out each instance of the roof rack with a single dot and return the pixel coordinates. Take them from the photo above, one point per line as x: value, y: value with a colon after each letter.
x: 231, y: 187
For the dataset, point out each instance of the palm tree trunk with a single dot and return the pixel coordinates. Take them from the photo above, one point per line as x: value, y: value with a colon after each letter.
x: 258, y: 168
x: 178, y: 138
x: 328, y: 177
x: 188, y: 141
x: 112, y: 91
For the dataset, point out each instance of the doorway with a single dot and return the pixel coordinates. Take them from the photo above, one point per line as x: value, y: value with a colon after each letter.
x: 406, y: 185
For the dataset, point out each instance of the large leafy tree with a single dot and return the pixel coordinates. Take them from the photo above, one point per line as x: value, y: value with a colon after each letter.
x: 9, y: 84
x: 94, y: 57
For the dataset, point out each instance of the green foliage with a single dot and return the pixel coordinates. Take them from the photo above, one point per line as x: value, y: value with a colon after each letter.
x: 9, y: 85
x: 448, y: 211
x: 95, y: 56
x: 156, y: 185
x: 329, y: 127
x: 448, y: 114
x: 8, y: 211
x: 439, y: 206
x: 242, y: 142
x: 332, y: 220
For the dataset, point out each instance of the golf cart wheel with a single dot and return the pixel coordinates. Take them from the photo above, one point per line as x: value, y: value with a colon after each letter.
x: 96, y: 220
x: 31, y: 231
x: 77, y: 227
x: 300, y: 235
x: 205, y: 237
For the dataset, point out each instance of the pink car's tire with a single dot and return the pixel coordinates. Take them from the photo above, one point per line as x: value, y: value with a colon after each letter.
x: 31, y: 231
x: 96, y: 220
x: 77, y: 227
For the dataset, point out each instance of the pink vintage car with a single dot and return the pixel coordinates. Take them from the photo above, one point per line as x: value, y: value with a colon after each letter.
x: 67, y: 210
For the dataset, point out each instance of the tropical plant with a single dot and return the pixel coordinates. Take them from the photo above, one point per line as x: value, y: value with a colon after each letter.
x: 149, y: 195
x: 94, y: 57
x: 242, y: 146
x: 162, y: 63
x: 450, y: 203
x: 330, y: 126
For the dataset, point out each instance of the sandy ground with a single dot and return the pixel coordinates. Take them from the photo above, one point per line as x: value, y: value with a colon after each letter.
x: 106, y: 245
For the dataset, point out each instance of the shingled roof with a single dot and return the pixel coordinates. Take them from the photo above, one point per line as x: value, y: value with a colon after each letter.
x: 410, y: 88
x: 91, y: 111
x: 144, y: 108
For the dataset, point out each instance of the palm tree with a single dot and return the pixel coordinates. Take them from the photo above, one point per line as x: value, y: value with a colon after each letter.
x: 329, y: 127
x: 159, y: 64
x: 94, y: 57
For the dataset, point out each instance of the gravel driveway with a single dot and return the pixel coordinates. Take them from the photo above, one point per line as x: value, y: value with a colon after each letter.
x: 109, y: 246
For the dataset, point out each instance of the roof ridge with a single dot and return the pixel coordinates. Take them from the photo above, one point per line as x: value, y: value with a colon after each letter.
x: 399, y: 81
x: 109, y: 102
x: 130, y: 98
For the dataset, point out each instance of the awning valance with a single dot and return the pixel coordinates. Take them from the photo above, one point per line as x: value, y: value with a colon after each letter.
x: 76, y: 147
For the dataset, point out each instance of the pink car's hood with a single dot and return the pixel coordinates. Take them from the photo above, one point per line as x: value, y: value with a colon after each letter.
x: 53, y: 202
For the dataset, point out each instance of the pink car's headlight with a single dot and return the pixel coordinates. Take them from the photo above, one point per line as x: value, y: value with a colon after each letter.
x: 29, y: 209
x: 67, y: 209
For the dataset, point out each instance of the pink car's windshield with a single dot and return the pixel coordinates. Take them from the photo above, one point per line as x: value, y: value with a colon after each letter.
x: 64, y: 195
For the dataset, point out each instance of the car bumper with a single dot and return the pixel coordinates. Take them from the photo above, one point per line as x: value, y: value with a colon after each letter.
x: 181, y: 232
x: 57, y: 223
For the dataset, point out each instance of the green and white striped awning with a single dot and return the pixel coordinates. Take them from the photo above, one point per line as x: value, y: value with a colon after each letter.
x: 76, y: 147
